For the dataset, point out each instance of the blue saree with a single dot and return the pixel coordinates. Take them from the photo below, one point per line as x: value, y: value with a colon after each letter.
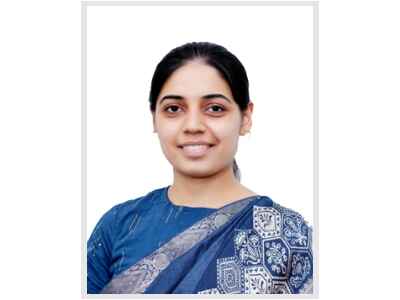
x: 251, y: 246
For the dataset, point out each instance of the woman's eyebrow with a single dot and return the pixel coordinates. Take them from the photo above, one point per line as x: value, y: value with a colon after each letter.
x: 205, y: 97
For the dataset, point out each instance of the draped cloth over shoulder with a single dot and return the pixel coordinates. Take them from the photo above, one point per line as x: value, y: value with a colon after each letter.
x: 247, y: 247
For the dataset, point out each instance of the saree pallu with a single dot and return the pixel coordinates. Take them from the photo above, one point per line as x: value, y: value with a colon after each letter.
x: 252, y: 246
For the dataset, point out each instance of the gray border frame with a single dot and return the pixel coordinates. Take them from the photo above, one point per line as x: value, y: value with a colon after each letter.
x: 314, y: 5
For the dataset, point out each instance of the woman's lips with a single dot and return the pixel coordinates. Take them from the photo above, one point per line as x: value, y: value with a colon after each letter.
x: 195, y: 151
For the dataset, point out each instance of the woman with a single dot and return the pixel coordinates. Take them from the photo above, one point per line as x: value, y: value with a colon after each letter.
x: 205, y: 233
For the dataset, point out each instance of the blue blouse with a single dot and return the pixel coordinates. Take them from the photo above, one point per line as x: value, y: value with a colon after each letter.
x: 132, y: 230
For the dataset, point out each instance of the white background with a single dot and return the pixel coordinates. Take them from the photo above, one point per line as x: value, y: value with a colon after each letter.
x: 275, y: 44
x: 40, y: 149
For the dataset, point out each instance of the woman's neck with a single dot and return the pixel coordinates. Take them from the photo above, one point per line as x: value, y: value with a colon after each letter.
x: 213, y: 191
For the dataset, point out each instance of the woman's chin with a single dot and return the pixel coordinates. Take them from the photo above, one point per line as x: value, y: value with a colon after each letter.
x: 197, y: 171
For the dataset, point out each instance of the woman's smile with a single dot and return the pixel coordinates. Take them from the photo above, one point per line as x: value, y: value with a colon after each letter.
x: 196, y: 151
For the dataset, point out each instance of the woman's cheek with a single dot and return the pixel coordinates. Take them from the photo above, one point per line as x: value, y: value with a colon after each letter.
x: 169, y: 142
x: 226, y: 131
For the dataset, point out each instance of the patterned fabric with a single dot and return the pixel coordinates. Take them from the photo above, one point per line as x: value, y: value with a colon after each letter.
x: 252, y: 246
x: 274, y: 257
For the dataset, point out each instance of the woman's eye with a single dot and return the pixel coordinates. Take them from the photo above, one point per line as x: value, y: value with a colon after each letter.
x: 173, y: 107
x: 217, y: 108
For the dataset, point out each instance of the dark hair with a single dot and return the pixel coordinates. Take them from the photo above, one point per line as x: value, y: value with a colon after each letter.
x: 227, y: 64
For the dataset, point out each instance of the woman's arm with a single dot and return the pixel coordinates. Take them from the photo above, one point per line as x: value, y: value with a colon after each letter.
x: 99, y: 252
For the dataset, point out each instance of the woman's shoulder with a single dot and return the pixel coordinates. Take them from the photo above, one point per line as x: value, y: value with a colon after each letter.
x: 285, y: 211
x: 273, y: 219
x: 265, y: 203
x: 125, y: 209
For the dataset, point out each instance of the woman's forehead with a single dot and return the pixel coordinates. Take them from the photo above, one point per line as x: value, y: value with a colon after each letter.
x: 195, y: 80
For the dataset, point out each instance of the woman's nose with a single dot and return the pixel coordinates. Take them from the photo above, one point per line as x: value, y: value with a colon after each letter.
x: 193, y: 122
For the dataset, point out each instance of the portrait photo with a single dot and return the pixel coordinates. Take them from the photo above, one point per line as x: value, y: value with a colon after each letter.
x: 199, y: 148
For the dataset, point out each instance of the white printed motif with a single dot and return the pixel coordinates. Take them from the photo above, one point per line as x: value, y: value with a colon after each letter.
x: 247, y: 247
x: 229, y: 276
x: 276, y: 257
x: 295, y: 231
x: 301, y: 269
x: 267, y: 221
x: 257, y: 280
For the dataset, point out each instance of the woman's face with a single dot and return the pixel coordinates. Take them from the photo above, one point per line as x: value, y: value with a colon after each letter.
x: 198, y: 122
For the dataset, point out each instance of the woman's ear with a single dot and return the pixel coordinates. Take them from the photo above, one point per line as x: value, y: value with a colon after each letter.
x: 247, y: 119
